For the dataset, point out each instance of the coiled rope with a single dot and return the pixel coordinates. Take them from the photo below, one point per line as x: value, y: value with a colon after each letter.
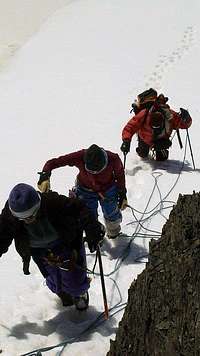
x: 158, y: 208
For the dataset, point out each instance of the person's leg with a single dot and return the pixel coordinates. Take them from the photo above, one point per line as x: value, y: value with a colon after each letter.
x: 142, y: 149
x: 111, y: 212
x: 161, y: 147
x: 67, y: 284
x: 51, y: 274
x: 38, y: 255
x: 162, y: 155
x: 90, y: 198
x: 70, y: 282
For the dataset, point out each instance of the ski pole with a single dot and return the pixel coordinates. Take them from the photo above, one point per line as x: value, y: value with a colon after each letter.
x: 179, y: 138
x: 188, y: 137
x: 106, y: 312
x: 125, y: 154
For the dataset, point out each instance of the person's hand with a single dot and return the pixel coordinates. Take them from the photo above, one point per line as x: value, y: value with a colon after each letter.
x: 184, y: 114
x: 95, y: 235
x: 125, y: 147
x: 53, y: 260
x: 26, y: 263
x: 122, y: 199
x: 44, y: 182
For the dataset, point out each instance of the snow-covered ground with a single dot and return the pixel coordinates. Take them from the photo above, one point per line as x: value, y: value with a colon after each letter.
x: 19, y: 20
x: 71, y: 85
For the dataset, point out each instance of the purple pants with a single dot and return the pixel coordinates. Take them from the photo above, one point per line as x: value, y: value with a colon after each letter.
x: 73, y: 282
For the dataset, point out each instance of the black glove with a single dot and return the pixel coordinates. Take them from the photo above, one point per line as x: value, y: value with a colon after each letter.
x: 184, y: 114
x: 122, y: 199
x: 125, y: 147
x: 134, y: 109
x: 94, y: 235
x: 26, y: 263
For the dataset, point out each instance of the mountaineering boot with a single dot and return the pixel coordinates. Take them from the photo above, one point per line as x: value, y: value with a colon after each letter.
x: 143, y: 149
x: 81, y: 302
x: 113, y: 228
x: 112, y: 237
x: 66, y: 299
x: 162, y: 155
x: 142, y: 153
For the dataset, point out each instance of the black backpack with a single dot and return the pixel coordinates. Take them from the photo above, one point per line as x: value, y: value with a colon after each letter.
x: 149, y: 99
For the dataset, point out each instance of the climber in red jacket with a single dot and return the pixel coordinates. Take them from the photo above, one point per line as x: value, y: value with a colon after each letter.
x: 153, y: 127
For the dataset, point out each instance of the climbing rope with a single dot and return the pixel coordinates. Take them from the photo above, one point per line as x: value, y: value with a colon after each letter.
x: 119, y: 306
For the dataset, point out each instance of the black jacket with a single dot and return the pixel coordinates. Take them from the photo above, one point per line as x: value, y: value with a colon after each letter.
x: 68, y: 216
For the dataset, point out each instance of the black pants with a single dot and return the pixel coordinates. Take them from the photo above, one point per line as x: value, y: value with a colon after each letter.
x: 142, y: 149
x: 160, y: 154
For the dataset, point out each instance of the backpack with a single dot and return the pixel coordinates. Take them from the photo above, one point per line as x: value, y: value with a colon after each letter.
x: 149, y: 99
x: 156, y: 105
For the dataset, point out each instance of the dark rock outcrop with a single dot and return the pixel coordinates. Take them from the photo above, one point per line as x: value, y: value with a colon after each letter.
x: 162, y: 317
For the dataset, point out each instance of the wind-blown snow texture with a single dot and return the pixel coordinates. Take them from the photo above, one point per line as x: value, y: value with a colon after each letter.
x: 70, y: 86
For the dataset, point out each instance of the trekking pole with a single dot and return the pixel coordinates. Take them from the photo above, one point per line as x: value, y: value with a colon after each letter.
x: 179, y: 139
x: 188, y: 137
x: 125, y: 154
x: 106, y: 312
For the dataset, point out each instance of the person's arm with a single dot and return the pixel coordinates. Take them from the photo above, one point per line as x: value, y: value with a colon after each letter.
x: 130, y: 129
x: 181, y: 120
x: 77, y: 208
x: 71, y: 159
x: 118, y: 172
x: 6, y: 236
x: 120, y: 181
x: 133, y: 125
x: 9, y: 226
x: 93, y: 228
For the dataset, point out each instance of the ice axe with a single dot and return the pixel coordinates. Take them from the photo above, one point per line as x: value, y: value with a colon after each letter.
x: 124, y: 165
x: 106, y: 311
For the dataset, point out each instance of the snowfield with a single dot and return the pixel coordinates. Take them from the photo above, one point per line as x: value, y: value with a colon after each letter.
x: 70, y: 85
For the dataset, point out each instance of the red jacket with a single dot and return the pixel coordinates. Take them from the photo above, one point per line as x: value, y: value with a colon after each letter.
x: 101, y: 182
x: 140, y: 124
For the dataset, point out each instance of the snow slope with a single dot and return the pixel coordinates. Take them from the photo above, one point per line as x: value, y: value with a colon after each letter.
x: 71, y: 85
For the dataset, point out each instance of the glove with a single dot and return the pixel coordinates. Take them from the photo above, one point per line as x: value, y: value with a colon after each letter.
x: 122, y: 200
x: 125, y: 147
x: 95, y: 235
x: 44, y: 182
x: 58, y: 261
x: 53, y: 260
x: 26, y: 263
x: 135, y: 108
x: 184, y: 114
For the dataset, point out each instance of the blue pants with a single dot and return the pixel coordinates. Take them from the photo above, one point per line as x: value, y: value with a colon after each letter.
x: 109, y: 202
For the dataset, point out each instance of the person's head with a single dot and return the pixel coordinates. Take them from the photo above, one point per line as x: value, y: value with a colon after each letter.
x: 24, y: 202
x: 157, y: 120
x: 161, y: 99
x: 157, y: 124
x: 95, y: 159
